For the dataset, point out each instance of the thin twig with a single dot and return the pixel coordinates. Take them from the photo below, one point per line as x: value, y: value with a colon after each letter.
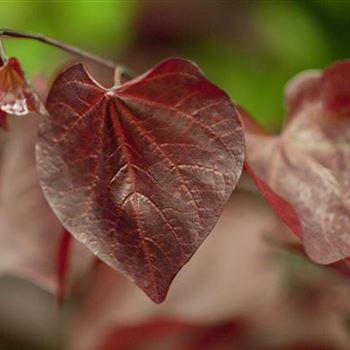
x: 8, y: 33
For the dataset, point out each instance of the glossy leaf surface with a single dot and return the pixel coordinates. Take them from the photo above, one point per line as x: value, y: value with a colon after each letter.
x: 141, y: 172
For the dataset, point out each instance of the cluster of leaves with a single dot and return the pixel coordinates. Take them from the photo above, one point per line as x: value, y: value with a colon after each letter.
x: 141, y: 172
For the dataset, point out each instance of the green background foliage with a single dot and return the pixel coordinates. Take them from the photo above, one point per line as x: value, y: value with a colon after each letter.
x: 289, y: 36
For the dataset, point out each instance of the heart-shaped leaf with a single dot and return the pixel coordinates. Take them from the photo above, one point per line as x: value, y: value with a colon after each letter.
x: 308, y: 163
x: 16, y: 94
x: 141, y: 172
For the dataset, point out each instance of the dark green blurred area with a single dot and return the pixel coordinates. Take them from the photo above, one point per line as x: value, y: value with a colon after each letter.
x: 249, y: 48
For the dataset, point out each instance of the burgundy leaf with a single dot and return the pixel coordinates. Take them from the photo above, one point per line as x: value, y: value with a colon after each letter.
x: 16, y: 95
x: 308, y: 165
x: 141, y: 172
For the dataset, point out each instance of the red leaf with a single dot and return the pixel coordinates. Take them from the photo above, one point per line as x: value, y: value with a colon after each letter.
x: 141, y: 172
x: 16, y: 95
x: 307, y: 164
